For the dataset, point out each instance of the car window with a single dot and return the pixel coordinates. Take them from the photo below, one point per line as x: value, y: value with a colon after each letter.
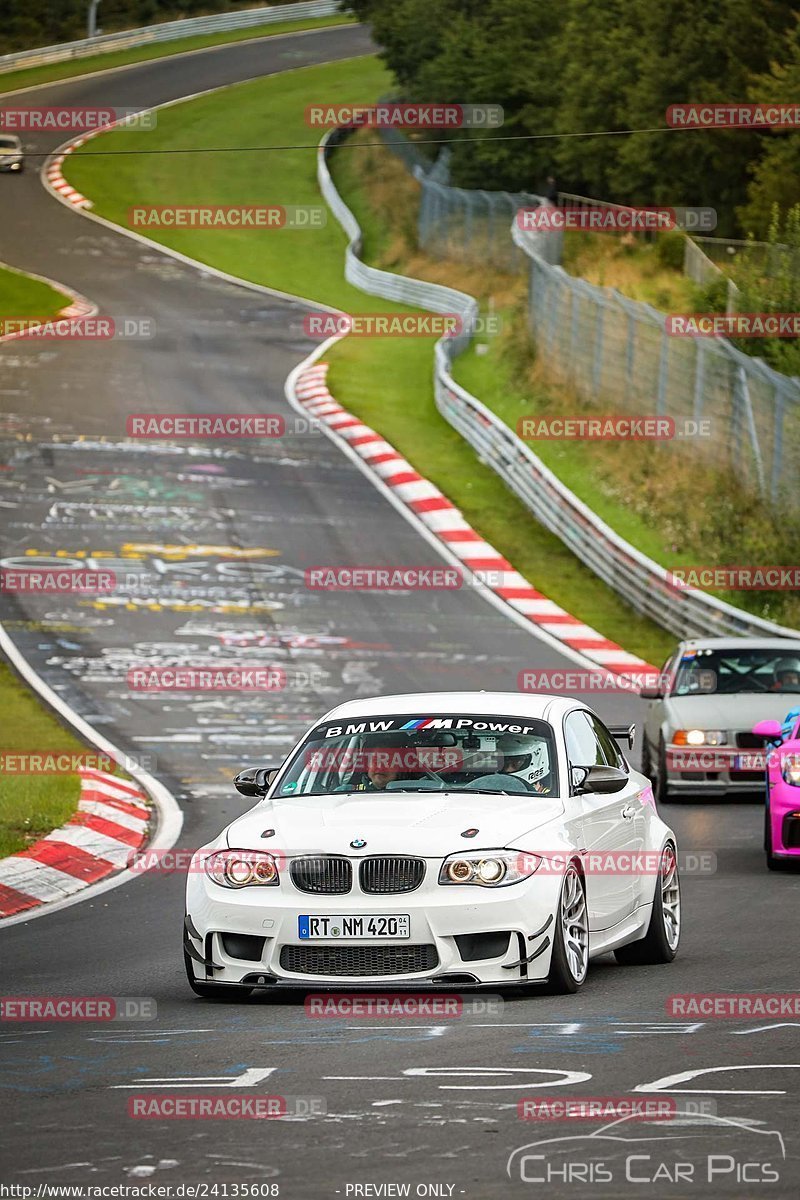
x: 735, y: 670
x: 421, y: 752
x: 609, y: 747
x: 583, y: 748
x: 664, y: 678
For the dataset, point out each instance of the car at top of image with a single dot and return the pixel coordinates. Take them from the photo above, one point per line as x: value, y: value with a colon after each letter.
x: 698, y: 731
x: 782, y: 809
x: 439, y: 839
x: 11, y: 155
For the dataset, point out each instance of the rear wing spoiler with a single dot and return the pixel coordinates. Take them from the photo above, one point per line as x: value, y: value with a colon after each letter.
x: 623, y: 733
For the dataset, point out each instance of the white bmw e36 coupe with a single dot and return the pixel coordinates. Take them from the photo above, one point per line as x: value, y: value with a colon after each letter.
x: 436, y: 840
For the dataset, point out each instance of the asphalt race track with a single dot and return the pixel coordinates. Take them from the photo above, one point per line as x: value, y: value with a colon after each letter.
x: 406, y: 1102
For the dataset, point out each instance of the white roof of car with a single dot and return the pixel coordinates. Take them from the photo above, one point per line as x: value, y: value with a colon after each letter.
x: 535, y: 705
x: 744, y: 643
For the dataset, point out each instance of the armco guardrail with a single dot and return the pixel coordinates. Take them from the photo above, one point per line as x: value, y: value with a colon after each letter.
x: 167, y: 32
x: 610, y: 348
x: 636, y: 578
x: 402, y: 289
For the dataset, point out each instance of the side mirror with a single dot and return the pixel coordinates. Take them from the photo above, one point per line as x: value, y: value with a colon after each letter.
x: 651, y: 694
x: 255, y: 781
x: 623, y: 733
x: 768, y: 729
x: 599, y: 780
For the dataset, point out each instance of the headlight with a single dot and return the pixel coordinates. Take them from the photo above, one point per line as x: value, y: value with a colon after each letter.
x: 790, y: 769
x: 699, y: 737
x: 242, y: 868
x: 492, y: 868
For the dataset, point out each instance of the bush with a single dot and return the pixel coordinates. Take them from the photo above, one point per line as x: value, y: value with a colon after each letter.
x: 712, y: 296
x: 670, y: 248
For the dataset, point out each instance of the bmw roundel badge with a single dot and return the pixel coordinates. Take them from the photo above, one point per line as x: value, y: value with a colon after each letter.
x: 358, y: 843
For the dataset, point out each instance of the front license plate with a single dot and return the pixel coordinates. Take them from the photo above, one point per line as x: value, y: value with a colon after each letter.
x: 755, y: 760
x: 336, y: 928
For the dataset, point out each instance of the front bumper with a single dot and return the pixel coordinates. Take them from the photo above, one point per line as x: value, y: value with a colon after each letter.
x: 441, y: 920
x: 10, y: 164
x: 710, y: 772
x: 784, y: 816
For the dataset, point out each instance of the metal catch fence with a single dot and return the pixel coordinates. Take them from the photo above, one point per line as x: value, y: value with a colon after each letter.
x: 643, y: 583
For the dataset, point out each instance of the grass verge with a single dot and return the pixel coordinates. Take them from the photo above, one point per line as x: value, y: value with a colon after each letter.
x: 32, y: 805
x: 22, y: 296
x: 33, y: 76
x: 651, y: 272
x: 385, y: 381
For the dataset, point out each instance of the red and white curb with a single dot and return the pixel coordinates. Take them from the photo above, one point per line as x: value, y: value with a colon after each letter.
x: 55, y: 177
x: 53, y: 174
x: 77, y: 310
x: 445, y: 522
x: 102, y: 837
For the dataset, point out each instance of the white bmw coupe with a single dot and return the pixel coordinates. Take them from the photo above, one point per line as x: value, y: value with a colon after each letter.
x: 436, y: 840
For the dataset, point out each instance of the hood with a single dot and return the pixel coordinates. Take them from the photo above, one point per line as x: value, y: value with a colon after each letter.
x: 427, y: 825
x: 729, y: 712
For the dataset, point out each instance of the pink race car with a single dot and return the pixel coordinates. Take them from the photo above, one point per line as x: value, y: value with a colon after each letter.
x: 782, y: 814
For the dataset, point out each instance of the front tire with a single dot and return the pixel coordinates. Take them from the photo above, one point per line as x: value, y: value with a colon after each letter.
x: 570, y: 958
x: 660, y: 943
x: 773, y: 863
x: 214, y: 991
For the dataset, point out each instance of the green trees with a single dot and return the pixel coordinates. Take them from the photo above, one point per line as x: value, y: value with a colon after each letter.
x: 25, y: 24
x: 583, y: 67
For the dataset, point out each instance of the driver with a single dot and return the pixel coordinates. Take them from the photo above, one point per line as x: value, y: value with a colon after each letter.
x: 383, y: 765
x: 526, y: 758
x: 786, y: 675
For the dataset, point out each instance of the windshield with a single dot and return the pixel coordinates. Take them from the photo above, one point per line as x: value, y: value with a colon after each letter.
x: 416, y: 753
x: 730, y: 671
x: 9, y: 143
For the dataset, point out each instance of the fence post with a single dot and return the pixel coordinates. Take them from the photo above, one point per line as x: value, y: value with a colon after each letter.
x: 744, y: 408
x: 777, y: 443
x: 574, y: 334
x: 663, y: 372
x: 597, y: 371
x: 699, y: 378
x: 630, y: 350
